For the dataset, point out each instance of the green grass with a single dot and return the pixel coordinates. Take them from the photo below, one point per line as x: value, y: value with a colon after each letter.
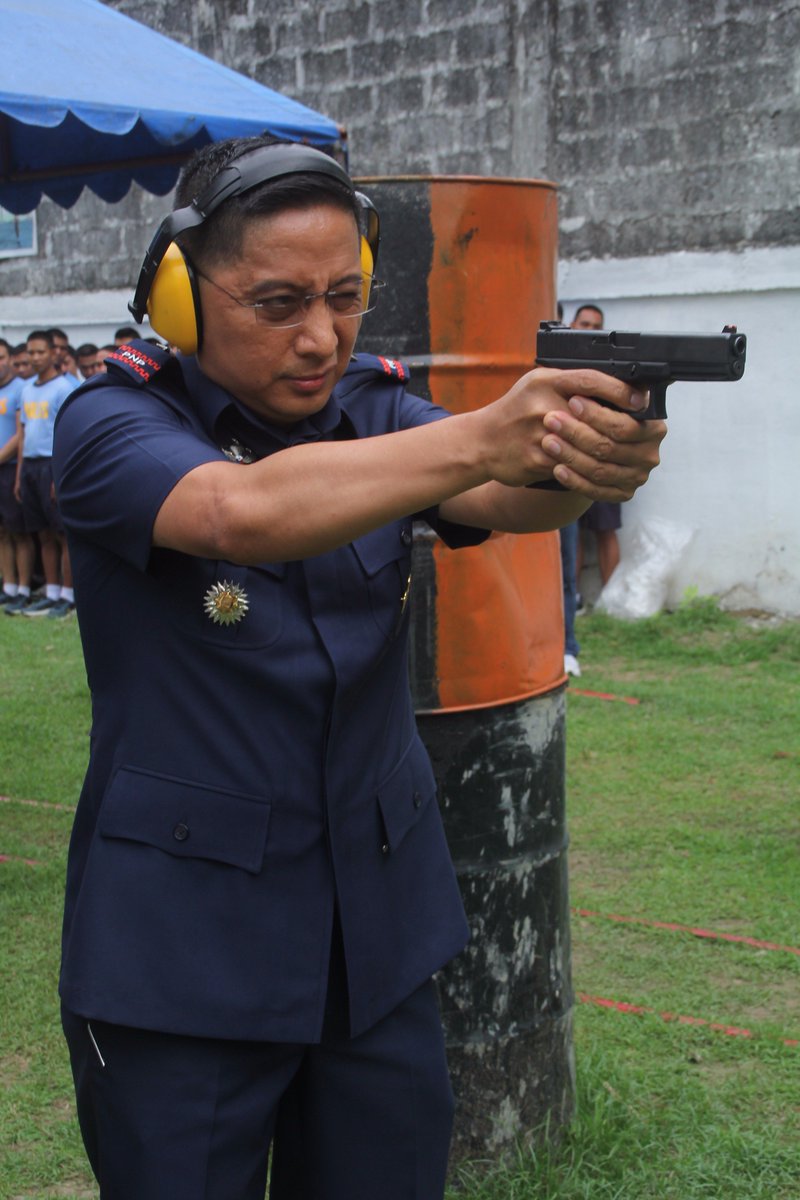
x: 44, y: 741
x: 683, y: 808
x: 649, y: 1133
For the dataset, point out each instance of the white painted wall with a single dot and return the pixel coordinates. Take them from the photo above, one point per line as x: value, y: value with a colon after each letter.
x: 84, y: 316
x: 731, y: 462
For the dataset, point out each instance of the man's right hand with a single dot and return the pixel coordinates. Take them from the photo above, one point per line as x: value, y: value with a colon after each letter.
x: 547, y: 421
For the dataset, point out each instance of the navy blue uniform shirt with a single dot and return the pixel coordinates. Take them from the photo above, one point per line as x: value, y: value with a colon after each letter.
x: 245, y: 780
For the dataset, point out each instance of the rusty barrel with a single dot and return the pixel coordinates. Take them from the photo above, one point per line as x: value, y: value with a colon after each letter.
x: 470, y: 264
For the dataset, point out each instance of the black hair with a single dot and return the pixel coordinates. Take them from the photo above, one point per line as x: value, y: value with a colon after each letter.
x: 7, y: 345
x: 126, y: 331
x: 85, y: 349
x: 594, y: 308
x: 221, y: 235
x: 40, y: 335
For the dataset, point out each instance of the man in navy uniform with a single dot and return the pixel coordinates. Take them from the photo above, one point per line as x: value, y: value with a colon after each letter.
x: 259, y: 889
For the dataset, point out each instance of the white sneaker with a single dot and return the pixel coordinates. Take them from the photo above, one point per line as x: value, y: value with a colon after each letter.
x: 571, y: 665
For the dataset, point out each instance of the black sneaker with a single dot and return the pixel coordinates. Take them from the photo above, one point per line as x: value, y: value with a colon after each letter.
x: 62, y: 608
x: 39, y: 608
x: 16, y: 605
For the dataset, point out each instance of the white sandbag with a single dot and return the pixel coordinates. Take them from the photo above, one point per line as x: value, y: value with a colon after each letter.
x: 640, y: 584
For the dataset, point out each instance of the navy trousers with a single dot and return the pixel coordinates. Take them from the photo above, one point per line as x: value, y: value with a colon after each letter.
x: 569, y: 554
x: 166, y: 1117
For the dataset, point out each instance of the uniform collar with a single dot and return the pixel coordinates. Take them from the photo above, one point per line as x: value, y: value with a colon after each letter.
x: 226, y: 419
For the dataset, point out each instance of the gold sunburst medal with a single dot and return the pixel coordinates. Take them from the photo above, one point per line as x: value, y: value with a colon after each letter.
x: 226, y: 603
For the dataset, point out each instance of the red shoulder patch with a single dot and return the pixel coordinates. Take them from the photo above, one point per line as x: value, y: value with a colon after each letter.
x: 393, y: 367
x: 136, y: 361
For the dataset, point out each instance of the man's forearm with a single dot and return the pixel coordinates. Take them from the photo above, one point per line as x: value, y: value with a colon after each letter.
x: 309, y: 499
x: 10, y: 448
x: 514, y: 510
x: 20, y: 453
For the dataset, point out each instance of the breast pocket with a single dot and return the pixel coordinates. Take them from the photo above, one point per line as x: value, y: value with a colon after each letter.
x: 384, y: 558
x: 221, y: 603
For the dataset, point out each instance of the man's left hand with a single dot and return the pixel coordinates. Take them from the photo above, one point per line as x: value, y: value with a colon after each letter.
x: 601, y: 453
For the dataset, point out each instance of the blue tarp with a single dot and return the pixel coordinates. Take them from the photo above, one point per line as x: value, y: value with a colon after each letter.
x: 91, y: 98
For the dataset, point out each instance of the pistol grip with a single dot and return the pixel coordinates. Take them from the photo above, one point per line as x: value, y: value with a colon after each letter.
x: 657, y: 408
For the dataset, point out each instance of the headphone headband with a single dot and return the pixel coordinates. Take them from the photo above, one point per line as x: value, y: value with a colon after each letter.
x: 262, y: 164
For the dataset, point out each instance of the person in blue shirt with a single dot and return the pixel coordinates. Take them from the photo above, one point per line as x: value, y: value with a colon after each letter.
x: 602, y: 518
x: 69, y: 366
x: 16, y: 545
x: 21, y: 362
x: 87, y: 360
x: 259, y: 889
x: 40, y: 399
x: 64, y: 355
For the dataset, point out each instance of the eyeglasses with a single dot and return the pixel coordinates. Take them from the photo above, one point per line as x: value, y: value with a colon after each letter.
x: 285, y: 310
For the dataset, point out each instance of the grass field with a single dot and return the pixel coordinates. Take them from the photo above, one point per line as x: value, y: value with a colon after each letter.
x: 684, y: 814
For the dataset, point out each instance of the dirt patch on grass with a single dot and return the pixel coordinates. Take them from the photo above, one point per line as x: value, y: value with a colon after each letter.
x: 69, y: 1190
x: 780, y: 1004
x: 590, y: 865
x: 13, y: 1067
x: 620, y: 669
x: 721, y: 1072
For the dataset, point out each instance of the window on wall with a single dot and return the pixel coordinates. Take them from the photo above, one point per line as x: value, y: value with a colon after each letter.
x: 17, y: 234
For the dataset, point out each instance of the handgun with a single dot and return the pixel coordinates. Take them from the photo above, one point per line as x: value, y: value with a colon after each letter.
x: 645, y: 360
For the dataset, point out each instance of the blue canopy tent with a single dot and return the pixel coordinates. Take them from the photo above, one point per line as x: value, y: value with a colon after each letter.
x: 91, y: 98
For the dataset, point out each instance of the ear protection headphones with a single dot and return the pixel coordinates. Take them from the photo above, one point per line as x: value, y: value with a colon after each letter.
x: 167, y: 286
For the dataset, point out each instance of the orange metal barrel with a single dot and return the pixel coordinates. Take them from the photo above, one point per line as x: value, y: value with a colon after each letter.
x: 470, y: 265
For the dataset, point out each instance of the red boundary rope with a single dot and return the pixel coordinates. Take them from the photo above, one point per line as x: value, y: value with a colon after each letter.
x: 696, y: 931
x: 641, y: 1009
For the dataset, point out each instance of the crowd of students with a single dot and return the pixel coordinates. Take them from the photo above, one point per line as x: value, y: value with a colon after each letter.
x: 35, y: 379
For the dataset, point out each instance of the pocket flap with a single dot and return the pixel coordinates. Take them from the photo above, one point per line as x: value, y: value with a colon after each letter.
x: 387, y: 544
x: 405, y: 795
x: 276, y: 569
x: 186, y: 819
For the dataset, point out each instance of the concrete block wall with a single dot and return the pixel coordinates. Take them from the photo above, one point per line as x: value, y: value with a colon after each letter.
x: 421, y: 85
x: 90, y: 247
x: 667, y: 127
x: 675, y: 127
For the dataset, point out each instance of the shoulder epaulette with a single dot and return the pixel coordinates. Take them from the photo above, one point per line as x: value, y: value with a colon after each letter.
x: 378, y: 364
x: 137, y: 361
x: 135, y: 365
x: 393, y: 367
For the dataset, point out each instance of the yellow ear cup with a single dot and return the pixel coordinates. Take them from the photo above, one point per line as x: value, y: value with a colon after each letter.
x: 171, y: 303
x: 367, y: 266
